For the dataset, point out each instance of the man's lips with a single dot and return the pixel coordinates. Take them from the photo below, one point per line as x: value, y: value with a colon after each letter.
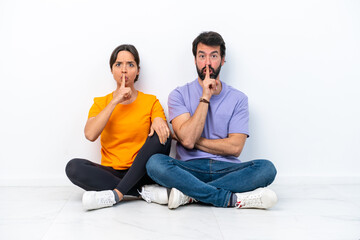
x: 204, y: 71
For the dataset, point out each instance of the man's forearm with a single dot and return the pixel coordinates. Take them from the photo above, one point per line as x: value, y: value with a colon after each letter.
x: 189, y: 128
x: 231, y: 146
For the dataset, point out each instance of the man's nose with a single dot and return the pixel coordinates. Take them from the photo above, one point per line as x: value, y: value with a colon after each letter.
x: 207, y: 61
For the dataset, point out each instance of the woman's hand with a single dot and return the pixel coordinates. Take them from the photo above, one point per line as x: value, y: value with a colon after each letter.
x: 161, y: 128
x: 122, y: 93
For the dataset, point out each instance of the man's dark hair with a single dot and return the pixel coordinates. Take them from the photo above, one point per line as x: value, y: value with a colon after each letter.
x: 209, y: 39
x: 125, y: 47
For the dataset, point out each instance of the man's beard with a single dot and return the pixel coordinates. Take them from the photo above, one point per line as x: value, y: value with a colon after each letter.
x: 213, y: 75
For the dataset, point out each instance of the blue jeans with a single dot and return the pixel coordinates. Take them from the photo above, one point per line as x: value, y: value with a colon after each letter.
x: 210, y: 181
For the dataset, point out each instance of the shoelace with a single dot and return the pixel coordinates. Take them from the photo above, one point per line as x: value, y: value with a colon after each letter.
x: 251, y: 200
x: 146, y: 195
x: 105, y: 199
x: 186, y: 200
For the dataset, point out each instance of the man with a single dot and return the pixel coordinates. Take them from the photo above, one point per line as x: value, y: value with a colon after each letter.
x: 210, y: 123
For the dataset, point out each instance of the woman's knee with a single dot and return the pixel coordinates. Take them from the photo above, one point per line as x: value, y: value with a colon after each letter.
x: 152, y: 145
x: 72, y: 167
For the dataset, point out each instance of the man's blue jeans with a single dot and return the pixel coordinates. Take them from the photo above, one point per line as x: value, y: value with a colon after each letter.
x: 210, y: 181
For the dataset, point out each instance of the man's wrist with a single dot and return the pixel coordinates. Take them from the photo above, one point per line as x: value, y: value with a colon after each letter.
x: 204, y: 100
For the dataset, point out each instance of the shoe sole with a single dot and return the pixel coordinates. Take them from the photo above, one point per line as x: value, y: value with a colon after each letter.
x: 174, y: 194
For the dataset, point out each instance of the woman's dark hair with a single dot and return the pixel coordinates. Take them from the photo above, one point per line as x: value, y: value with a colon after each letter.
x: 125, y: 47
x: 209, y: 39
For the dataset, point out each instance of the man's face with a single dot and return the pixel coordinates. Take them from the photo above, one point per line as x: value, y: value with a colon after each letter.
x: 208, y: 55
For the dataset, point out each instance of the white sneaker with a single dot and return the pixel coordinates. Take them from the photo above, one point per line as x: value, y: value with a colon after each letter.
x: 177, y: 198
x: 98, y: 199
x: 154, y: 193
x: 259, y: 198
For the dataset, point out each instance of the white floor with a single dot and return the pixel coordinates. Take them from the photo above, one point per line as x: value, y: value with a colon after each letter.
x: 303, y: 212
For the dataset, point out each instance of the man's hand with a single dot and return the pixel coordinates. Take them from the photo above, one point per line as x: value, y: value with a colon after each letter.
x: 161, y: 128
x: 122, y: 93
x: 209, y: 85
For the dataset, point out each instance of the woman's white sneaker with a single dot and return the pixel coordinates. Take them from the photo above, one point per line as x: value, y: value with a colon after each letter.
x: 154, y: 193
x: 98, y: 199
x: 259, y: 198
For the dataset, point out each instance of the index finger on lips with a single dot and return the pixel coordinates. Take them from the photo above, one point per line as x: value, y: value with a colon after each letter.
x: 207, y: 72
x: 122, y: 81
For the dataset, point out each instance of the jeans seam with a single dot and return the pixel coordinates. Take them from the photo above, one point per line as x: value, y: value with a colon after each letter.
x: 188, y: 168
x: 237, y: 168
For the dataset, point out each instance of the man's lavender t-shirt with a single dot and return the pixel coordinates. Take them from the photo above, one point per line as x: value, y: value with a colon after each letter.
x: 228, y: 113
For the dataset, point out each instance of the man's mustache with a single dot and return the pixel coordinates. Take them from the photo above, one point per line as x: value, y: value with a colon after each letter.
x: 204, y: 68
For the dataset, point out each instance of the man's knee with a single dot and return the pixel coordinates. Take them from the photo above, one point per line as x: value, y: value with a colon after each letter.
x: 269, y: 171
x: 155, y: 164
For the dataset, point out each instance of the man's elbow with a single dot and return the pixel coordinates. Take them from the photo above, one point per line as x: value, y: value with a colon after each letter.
x: 188, y: 143
x: 237, y: 151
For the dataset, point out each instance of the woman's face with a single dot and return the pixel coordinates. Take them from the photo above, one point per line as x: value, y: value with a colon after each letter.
x: 125, y: 65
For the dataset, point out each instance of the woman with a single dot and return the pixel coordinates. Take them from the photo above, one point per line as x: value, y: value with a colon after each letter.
x: 133, y: 127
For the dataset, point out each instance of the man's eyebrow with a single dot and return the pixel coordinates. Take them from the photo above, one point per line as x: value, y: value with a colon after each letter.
x: 216, y: 51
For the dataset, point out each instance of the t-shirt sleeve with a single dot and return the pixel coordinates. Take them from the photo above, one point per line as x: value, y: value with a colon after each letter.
x: 157, y: 111
x: 239, y: 122
x: 97, y: 107
x: 176, y: 104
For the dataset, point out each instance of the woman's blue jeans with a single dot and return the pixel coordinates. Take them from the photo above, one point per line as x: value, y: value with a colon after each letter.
x: 210, y: 181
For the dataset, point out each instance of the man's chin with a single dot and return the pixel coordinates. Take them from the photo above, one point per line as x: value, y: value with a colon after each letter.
x: 212, y: 76
x: 203, y: 77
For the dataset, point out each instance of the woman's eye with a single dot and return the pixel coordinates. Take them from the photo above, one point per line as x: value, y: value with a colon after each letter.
x: 131, y: 64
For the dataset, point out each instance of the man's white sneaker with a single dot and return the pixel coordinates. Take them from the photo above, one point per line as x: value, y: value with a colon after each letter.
x: 154, y: 193
x: 259, y: 198
x: 177, y: 198
x: 98, y: 199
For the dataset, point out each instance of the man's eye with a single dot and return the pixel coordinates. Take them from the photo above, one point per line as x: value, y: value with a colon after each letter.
x: 214, y: 56
x: 117, y: 64
x: 131, y: 65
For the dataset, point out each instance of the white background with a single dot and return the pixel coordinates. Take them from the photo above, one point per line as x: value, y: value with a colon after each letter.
x: 298, y: 62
